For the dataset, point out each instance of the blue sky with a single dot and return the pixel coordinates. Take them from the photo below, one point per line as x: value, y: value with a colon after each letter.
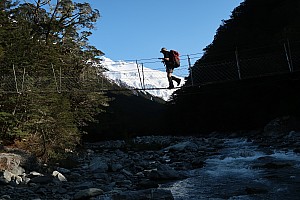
x: 138, y: 29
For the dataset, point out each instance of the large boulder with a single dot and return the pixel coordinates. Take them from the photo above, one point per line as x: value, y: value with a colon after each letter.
x: 11, y: 162
x: 165, y: 172
x: 281, y: 126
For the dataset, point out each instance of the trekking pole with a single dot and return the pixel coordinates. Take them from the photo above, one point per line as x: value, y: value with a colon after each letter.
x: 163, y: 61
x: 190, y: 69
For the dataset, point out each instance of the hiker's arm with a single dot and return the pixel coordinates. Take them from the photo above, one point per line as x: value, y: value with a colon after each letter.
x: 167, y: 59
x: 164, y: 59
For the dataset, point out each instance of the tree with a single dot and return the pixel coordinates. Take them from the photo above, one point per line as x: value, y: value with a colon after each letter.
x: 255, y: 28
x: 41, y: 39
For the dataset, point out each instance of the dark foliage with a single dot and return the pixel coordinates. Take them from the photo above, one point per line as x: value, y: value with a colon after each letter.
x: 35, y: 44
x: 255, y: 28
x: 129, y: 114
x: 261, y: 39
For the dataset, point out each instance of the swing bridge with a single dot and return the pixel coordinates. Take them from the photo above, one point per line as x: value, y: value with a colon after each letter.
x: 53, y: 79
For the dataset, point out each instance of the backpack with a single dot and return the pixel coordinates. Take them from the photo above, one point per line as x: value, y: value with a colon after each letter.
x: 174, y: 58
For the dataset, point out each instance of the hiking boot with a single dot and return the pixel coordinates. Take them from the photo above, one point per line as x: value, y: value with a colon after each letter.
x: 171, y: 85
x: 178, y: 80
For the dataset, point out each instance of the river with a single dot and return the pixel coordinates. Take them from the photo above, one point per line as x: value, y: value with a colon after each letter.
x: 242, y: 170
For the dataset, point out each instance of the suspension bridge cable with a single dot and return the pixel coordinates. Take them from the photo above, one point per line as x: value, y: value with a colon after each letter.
x: 213, y: 71
x: 184, y: 57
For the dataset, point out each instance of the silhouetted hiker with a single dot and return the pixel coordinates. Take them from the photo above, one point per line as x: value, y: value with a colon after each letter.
x: 169, y: 61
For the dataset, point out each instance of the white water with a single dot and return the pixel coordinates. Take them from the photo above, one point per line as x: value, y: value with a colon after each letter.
x: 231, y: 175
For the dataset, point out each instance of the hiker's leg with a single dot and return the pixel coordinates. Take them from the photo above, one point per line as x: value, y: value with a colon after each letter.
x: 169, y: 76
x: 169, y: 71
x: 178, y: 80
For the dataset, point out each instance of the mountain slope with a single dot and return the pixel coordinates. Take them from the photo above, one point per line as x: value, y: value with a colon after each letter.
x: 261, y: 41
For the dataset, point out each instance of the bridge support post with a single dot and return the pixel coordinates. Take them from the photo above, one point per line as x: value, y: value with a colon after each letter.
x: 190, y: 69
x: 287, y: 50
x: 138, y: 69
x: 16, y: 82
x: 143, y: 76
x: 238, y: 63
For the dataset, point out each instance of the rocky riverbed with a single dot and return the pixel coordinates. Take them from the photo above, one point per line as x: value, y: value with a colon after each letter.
x: 136, y: 168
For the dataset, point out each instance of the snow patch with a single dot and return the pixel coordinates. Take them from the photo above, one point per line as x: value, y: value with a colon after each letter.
x: 126, y: 73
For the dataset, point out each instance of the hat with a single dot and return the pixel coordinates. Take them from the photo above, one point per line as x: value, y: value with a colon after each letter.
x: 163, y: 50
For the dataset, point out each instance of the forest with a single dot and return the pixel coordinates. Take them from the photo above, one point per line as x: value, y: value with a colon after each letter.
x: 37, y: 42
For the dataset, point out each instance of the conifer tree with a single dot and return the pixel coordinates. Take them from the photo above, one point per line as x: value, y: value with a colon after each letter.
x: 43, y: 40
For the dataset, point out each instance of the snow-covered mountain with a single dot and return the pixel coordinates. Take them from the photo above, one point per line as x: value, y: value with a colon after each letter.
x: 131, y: 75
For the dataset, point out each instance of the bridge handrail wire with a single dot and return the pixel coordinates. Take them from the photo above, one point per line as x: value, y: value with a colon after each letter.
x: 255, y: 65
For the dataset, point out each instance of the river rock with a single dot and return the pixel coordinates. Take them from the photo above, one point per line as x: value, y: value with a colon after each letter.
x: 165, y: 172
x: 88, y: 193
x: 59, y: 176
x: 146, y: 184
x: 99, y: 164
x: 281, y: 125
x: 157, y: 194
x: 11, y: 162
x: 41, y: 180
x: 116, y: 167
x: 198, y: 163
x: 183, y: 146
x: 10, y: 177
